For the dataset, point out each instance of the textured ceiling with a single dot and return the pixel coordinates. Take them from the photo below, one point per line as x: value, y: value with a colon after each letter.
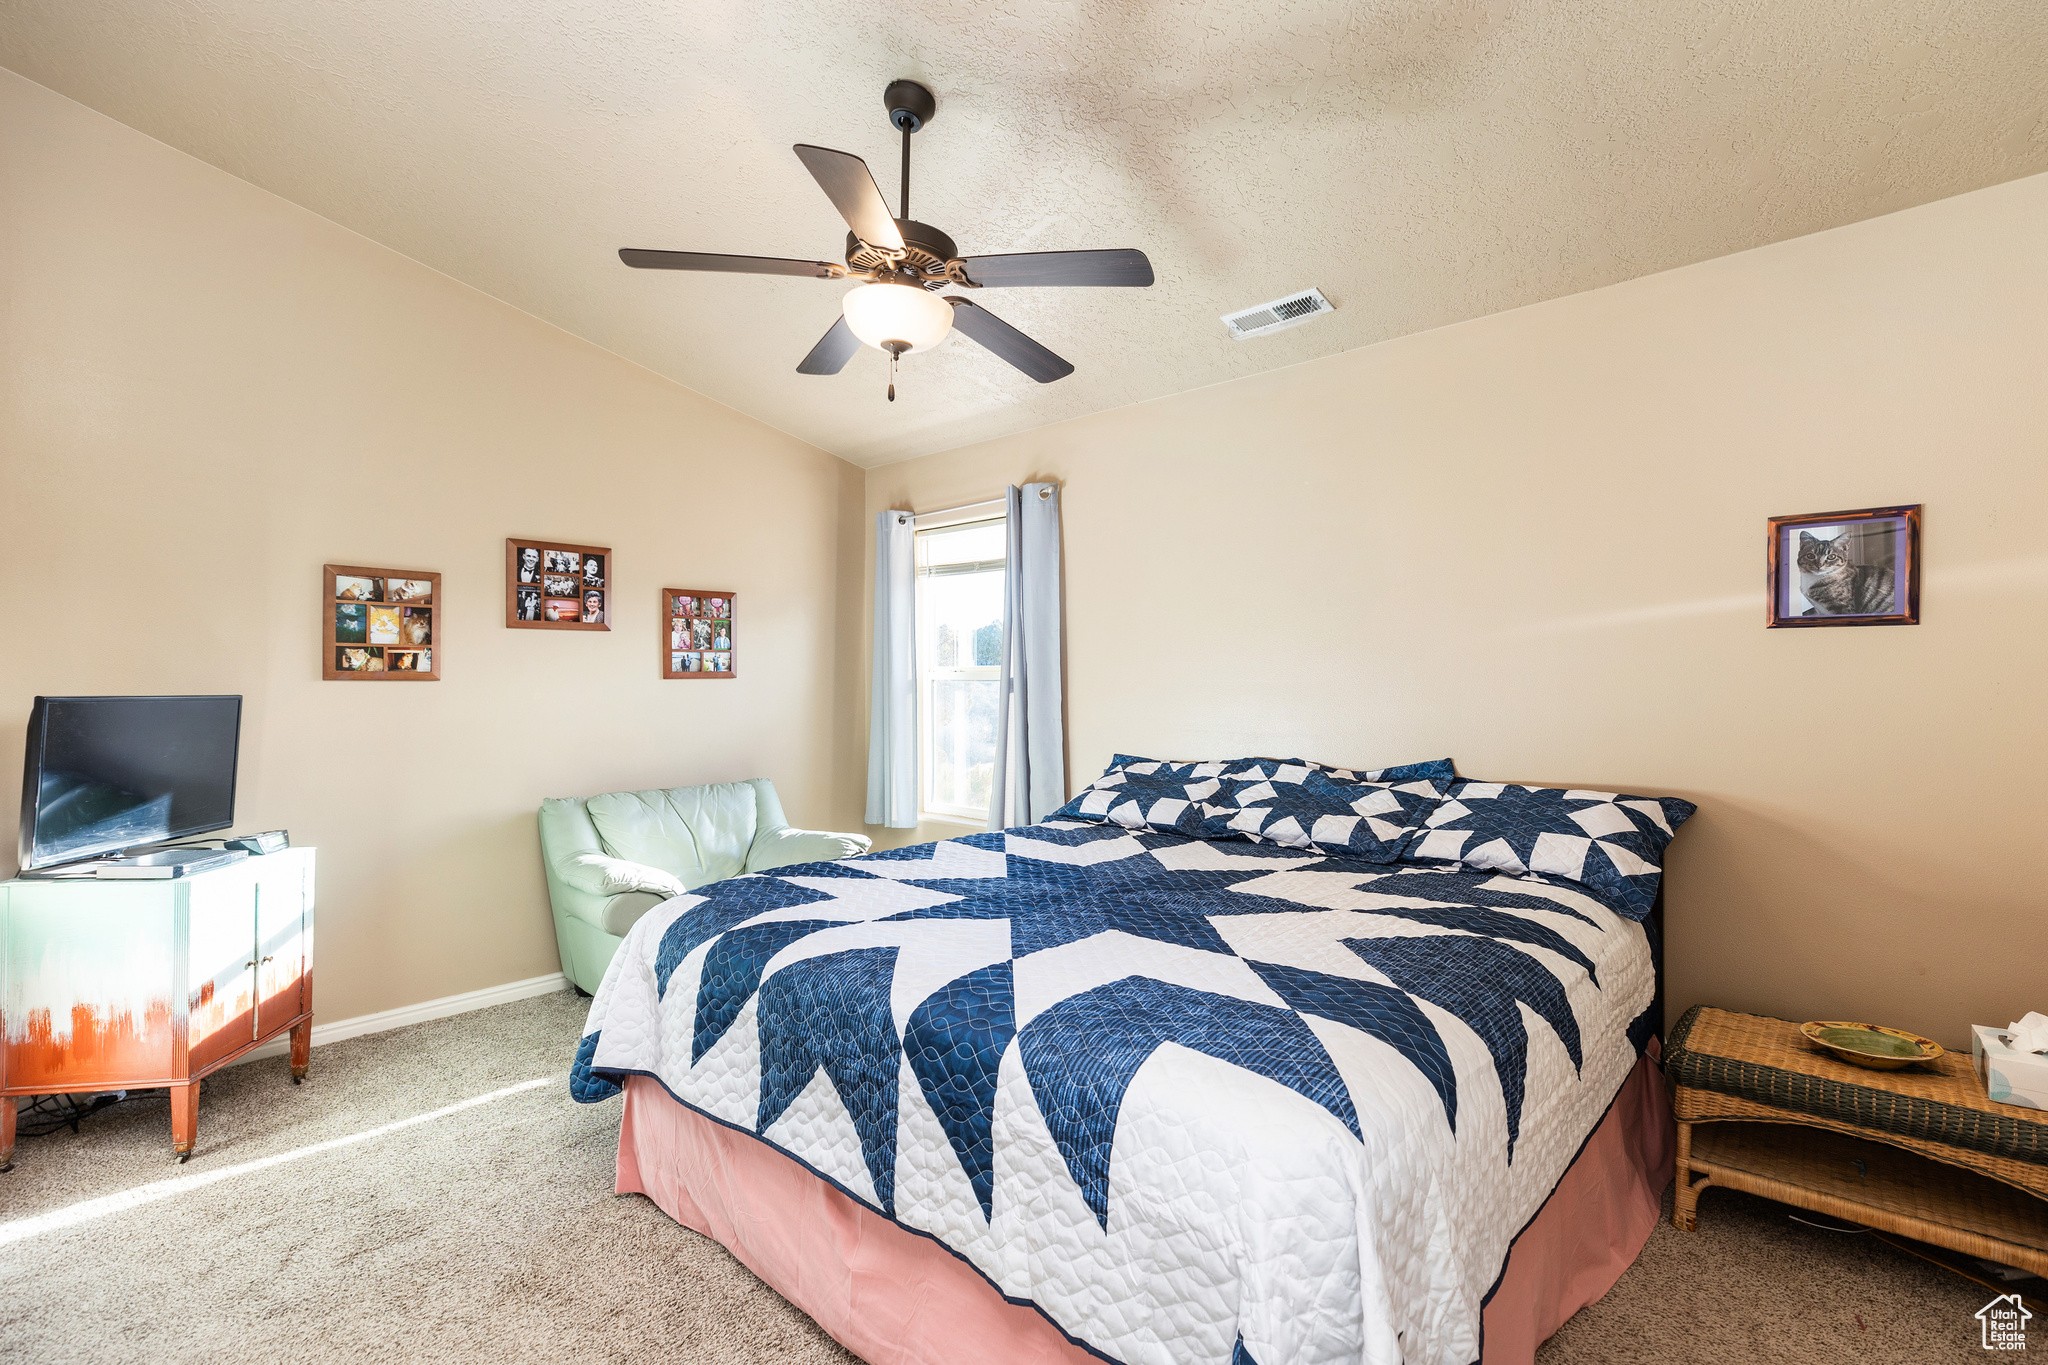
x: 1423, y: 161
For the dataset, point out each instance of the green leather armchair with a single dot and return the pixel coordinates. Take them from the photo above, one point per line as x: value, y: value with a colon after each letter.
x: 612, y: 858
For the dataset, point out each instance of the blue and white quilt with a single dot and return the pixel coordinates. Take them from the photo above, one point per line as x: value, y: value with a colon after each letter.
x: 1199, y: 1102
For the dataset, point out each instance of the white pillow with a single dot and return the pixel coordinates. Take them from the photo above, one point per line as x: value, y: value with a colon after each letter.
x: 616, y: 876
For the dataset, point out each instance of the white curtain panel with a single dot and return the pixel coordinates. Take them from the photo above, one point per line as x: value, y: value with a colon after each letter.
x: 1031, y: 756
x: 892, y: 701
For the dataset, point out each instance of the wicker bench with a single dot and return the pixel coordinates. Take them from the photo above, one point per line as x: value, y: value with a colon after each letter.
x: 1920, y: 1152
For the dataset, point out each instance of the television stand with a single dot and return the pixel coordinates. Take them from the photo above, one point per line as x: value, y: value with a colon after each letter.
x: 132, y: 985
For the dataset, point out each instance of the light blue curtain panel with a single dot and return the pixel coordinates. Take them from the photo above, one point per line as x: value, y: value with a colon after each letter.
x: 1031, y: 756
x: 892, y: 702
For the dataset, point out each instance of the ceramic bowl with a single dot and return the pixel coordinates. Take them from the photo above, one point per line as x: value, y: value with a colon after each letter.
x: 1871, y: 1045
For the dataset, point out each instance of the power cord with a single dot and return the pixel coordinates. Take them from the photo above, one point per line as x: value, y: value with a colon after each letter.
x: 47, y: 1114
x: 1994, y: 1280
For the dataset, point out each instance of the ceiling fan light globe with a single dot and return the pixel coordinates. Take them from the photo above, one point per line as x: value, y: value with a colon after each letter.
x: 877, y: 313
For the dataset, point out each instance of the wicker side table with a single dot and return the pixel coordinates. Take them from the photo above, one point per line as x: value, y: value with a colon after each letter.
x: 1919, y: 1152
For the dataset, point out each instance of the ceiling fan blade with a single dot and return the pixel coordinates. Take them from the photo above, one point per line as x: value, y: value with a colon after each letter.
x: 741, y: 265
x: 1007, y: 342
x: 848, y: 184
x: 1124, y: 267
x: 832, y: 352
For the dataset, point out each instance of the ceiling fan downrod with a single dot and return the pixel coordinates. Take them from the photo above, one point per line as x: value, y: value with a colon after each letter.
x: 911, y: 107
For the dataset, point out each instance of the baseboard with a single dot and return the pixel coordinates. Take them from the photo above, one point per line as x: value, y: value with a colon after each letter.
x: 445, y: 1007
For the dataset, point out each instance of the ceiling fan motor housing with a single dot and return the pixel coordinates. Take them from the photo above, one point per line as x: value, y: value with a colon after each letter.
x: 926, y: 251
x: 910, y: 105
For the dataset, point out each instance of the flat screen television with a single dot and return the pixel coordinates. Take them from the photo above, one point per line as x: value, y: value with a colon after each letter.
x: 104, y: 774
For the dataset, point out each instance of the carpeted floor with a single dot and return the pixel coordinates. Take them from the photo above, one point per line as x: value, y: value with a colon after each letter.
x: 491, y: 1234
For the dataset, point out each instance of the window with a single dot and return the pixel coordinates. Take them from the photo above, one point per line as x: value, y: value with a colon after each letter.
x: 959, y: 649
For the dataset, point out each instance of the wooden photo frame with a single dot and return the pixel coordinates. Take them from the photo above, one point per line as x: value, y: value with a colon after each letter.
x: 697, y: 636
x: 1859, y: 568
x: 539, y: 593
x: 380, y: 625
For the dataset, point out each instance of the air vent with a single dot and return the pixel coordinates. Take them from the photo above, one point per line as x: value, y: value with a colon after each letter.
x: 1278, y: 315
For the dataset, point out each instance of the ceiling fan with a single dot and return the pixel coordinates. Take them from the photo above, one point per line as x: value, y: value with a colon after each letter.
x: 906, y: 267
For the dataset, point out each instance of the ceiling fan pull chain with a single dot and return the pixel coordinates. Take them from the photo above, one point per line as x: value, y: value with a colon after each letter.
x: 892, y: 368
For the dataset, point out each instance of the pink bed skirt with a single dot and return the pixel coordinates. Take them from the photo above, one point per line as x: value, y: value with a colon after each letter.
x: 893, y: 1297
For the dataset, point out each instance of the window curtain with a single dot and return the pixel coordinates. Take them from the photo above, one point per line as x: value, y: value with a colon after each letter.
x: 892, y: 699
x: 1031, y: 751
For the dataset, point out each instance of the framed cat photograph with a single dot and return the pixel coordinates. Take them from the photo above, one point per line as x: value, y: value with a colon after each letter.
x: 550, y: 585
x: 379, y: 625
x: 1858, y: 568
x: 696, y: 634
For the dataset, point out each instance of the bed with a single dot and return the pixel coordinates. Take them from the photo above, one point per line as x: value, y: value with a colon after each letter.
x: 1099, y: 1090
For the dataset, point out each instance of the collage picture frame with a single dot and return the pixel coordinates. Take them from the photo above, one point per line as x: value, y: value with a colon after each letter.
x: 380, y: 625
x: 555, y: 585
x: 697, y: 633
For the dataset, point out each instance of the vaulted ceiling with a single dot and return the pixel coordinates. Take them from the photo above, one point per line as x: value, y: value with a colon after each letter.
x: 1422, y: 161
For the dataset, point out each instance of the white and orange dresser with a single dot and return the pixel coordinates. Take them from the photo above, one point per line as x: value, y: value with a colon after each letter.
x: 132, y: 985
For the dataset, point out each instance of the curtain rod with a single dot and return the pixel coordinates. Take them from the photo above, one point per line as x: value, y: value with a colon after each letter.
x: 906, y: 514
x: 963, y: 507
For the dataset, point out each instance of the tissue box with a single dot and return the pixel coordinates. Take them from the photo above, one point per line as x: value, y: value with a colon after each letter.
x: 2010, y: 1077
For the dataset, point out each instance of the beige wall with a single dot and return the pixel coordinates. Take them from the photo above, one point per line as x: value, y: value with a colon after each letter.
x: 206, y: 393
x: 1536, y: 542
